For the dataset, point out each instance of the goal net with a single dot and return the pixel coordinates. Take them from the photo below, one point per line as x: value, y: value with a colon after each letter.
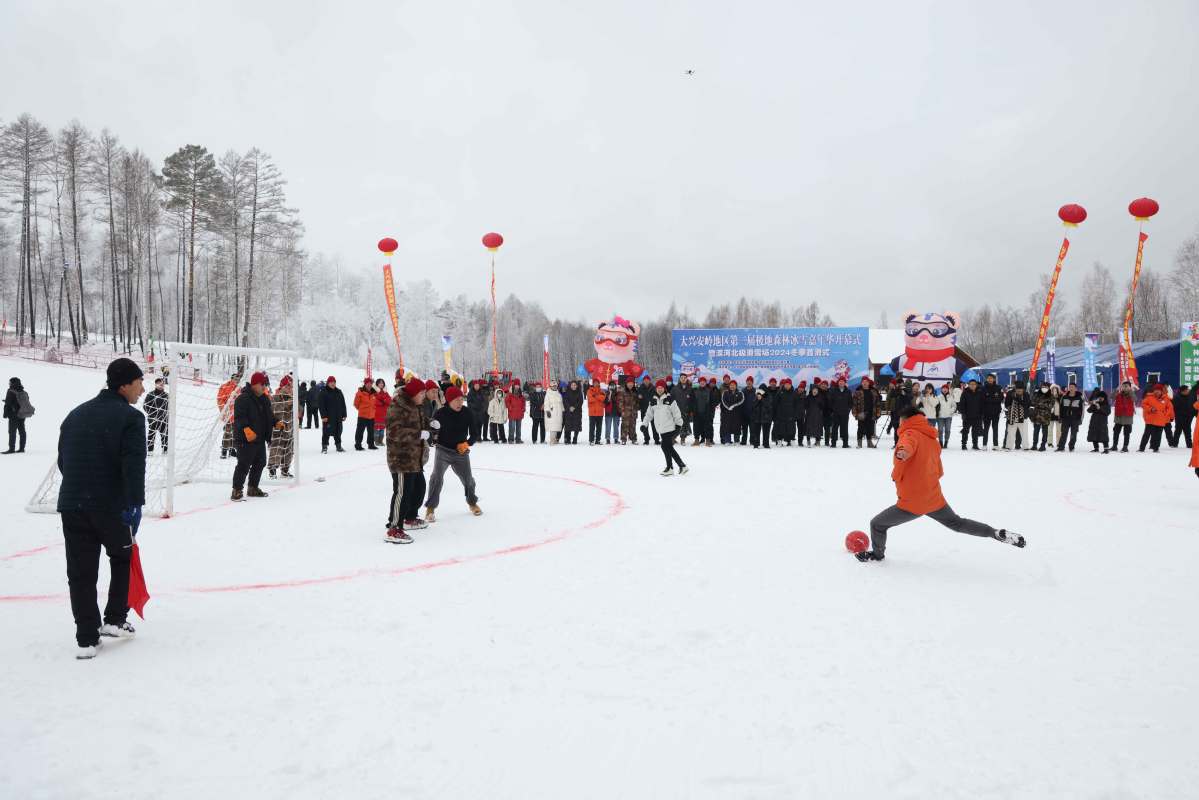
x: 190, y: 436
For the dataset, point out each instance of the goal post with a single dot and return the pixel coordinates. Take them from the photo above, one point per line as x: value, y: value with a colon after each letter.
x: 194, y: 441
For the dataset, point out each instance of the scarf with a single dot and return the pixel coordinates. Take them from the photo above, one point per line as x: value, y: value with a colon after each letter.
x: 911, y: 356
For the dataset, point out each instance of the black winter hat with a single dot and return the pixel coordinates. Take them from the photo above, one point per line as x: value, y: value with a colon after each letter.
x: 122, y: 372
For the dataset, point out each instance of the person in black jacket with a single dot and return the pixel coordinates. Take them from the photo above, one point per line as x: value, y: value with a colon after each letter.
x: 760, y: 419
x: 1184, y: 416
x: 814, y: 419
x: 333, y: 414
x: 970, y: 406
x: 1100, y: 409
x: 155, y: 406
x: 314, y: 404
x: 102, y: 458
x: 683, y: 396
x: 750, y: 393
x: 645, y: 393
x: 783, y: 429
x: 12, y: 413
x: 1071, y: 405
x: 253, y: 423
x: 840, y: 403
x: 992, y: 409
x: 731, y: 402
x: 572, y: 413
x: 801, y: 412
x: 453, y: 435
x: 476, y: 404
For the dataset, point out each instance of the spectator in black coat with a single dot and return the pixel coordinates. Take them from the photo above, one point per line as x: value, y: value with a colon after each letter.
x: 253, y: 423
x: 750, y: 393
x: 156, y: 406
x: 761, y: 418
x: 572, y: 412
x: 333, y: 414
x: 645, y: 393
x: 1184, y: 416
x: 683, y: 395
x: 970, y: 406
x: 1071, y: 405
x: 992, y: 409
x: 537, y: 410
x: 12, y: 412
x: 102, y: 458
x: 840, y: 404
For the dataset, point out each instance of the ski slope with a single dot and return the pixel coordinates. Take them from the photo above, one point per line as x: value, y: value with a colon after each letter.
x: 602, y: 632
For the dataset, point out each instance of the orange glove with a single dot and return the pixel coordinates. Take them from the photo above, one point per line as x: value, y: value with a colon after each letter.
x: 279, y: 425
x: 463, y: 448
x: 250, y: 435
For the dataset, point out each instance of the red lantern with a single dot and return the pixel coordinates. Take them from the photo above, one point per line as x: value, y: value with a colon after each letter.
x: 492, y: 241
x: 1143, y: 209
x: 1072, y: 214
x: 388, y: 245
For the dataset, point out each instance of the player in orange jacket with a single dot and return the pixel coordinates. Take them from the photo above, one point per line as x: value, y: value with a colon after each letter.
x: 917, y: 474
x: 1158, y: 412
x: 224, y: 403
x: 1195, y: 444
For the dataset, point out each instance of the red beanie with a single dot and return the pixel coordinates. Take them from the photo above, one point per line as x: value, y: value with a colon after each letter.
x: 660, y: 384
x: 258, y: 378
x: 803, y: 384
x: 330, y: 379
x: 645, y: 378
x: 414, y: 387
x: 431, y: 385
x: 286, y: 381
x: 772, y: 380
x: 732, y: 382
x: 452, y: 393
x: 367, y: 382
x: 786, y: 382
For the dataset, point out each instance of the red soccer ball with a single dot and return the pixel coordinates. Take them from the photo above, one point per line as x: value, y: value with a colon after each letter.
x: 857, y: 542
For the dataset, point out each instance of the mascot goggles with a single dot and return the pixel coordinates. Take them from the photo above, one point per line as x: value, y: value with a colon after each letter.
x: 617, y: 338
x: 936, y: 330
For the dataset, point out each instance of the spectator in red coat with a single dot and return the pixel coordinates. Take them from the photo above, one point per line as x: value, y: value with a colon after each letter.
x: 516, y: 412
x: 382, y: 401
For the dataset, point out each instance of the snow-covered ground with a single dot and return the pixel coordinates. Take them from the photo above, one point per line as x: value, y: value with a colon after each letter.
x: 603, y: 632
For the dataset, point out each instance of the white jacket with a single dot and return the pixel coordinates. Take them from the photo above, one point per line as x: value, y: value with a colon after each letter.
x: 948, y: 405
x: 497, y: 409
x: 929, y: 404
x: 664, y: 414
x: 553, y: 411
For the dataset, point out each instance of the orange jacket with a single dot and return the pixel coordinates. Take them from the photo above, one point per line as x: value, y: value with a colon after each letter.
x: 1195, y: 442
x: 595, y: 401
x: 918, y: 477
x: 222, y: 397
x: 1157, y: 410
x: 364, y: 404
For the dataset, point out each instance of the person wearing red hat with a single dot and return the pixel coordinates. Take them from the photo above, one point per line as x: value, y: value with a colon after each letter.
x: 814, y: 424
x: 224, y: 403
x: 451, y: 440
x: 537, y: 412
x: 333, y: 414
x: 364, y: 404
x: 434, y: 399
x: 476, y: 403
x: 783, y: 430
x: 283, y: 440
x: 867, y: 408
x: 645, y: 393
x: 516, y: 404
x: 407, y: 450
x: 665, y: 416
x: 627, y: 406
x: 916, y: 471
x: 253, y: 424
x: 382, y: 402
x: 730, y: 413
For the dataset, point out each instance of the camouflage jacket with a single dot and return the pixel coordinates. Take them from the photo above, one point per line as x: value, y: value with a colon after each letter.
x: 405, y: 421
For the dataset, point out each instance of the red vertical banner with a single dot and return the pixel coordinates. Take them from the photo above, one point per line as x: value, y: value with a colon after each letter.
x: 368, y: 364
x: 545, y: 363
x: 495, y: 350
x: 1044, y: 329
x: 1128, y: 362
x: 389, y: 289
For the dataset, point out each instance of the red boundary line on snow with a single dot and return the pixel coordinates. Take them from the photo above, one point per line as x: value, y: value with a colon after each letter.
x: 1069, y: 498
x: 618, y: 506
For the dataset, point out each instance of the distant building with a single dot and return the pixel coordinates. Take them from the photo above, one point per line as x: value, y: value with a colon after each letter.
x: 1157, y: 362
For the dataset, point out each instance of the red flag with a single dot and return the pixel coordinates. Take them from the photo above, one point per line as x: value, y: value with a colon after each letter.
x: 139, y: 595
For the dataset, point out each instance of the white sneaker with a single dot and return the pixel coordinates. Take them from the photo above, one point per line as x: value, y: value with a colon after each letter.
x: 666, y: 473
x: 683, y: 470
x: 84, y: 653
x: 122, y: 631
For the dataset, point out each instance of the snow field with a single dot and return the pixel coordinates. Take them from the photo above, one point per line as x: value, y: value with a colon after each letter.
x: 697, y: 636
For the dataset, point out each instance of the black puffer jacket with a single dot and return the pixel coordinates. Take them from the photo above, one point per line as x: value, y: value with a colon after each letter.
x: 333, y: 404
x: 254, y: 413
x: 784, y: 406
x: 840, y: 402
x: 992, y: 399
x: 102, y: 456
x: 763, y: 412
x: 970, y: 406
x: 1072, y: 409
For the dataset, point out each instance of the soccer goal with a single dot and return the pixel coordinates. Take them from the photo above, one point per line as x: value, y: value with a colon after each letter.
x: 193, y: 441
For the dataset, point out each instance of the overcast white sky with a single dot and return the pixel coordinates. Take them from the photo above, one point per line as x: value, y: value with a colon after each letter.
x: 871, y: 156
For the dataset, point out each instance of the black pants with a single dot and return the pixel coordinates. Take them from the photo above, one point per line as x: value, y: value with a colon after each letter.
x: 482, y: 429
x: 251, y: 460
x: 1116, y: 429
x: 159, y: 428
x: 366, y: 425
x: 1040, y: 434
x: 1152, y: 437
x: 314, y: 417
x: 538, y: 425
x: 84, y: 532
x: 16, y: 428
x: 742, y: 434
x: 332, y: 428
x: 672, y: 455
x: 1070, y: 432
x: 839, y: 427
x: 645, y: 431
x: 1182, y: 430
x: 595, y: 429
x: 991, y: 424
x: 498, y: 434
x: 407, y: 493
x: 866, y: 429
x: 945, y: 515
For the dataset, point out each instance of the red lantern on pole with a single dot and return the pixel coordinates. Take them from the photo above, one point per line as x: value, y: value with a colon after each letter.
x: 388, y: 246
x: 1072, y: 215
x: 492, y: 241
x: 1143, y: 208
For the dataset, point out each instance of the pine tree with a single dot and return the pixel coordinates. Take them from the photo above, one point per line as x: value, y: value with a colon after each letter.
x: 193, y: 184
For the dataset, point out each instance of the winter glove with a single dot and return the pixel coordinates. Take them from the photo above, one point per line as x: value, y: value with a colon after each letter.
x: 279, y: 425
x: 463, y: 448
x: 250, y: 435
x: 132, y: 516
x: 424, y: 436
x: 435, y: 425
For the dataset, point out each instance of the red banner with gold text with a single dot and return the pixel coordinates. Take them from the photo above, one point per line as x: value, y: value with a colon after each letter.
x: 389, y: 289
